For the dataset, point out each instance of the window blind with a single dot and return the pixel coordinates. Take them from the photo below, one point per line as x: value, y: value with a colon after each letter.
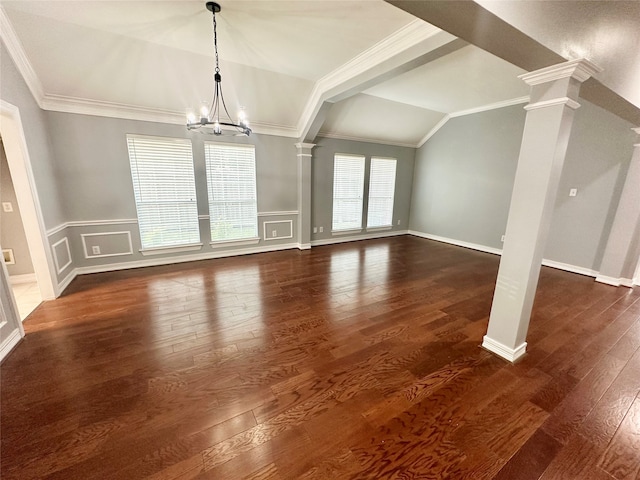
x: 382, y: 185
x: 348, y: 185
x: 231, y: 183
x: 165, y: 191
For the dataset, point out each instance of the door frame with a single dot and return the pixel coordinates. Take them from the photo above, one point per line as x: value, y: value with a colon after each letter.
x: 15, y: 145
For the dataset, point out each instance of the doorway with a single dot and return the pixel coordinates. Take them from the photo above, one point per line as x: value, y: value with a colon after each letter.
x: 17, y: 154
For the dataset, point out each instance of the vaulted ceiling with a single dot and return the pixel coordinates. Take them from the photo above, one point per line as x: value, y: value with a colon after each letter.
x: 361, y: 69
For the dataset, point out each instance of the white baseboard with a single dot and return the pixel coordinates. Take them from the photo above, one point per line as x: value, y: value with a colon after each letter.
x: 569, y: 268
x: 304, y: 246
x: 616, y: 282
x: 459, y: 243
x: 66, y: 281
x: 497, y: 251
x: 355, y: 238
x: 24, y: 278
x: 510, y: 354
x: 154, y: 262
x: 9, y: 343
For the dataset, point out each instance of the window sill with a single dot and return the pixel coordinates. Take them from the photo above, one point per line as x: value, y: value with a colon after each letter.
x: 166, y: 250
x: 351, y: 231
x: 236, y: 242
x: 379, y: 229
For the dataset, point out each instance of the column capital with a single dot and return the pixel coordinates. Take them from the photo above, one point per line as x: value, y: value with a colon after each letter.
x: 580, y: 70
x: 305, y: 145
x: 637, y: 130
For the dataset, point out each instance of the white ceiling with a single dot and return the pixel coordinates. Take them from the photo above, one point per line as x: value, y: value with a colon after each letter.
x: 146, y: 57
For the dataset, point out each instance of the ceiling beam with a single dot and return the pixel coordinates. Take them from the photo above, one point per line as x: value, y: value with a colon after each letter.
x: 414, y: 45
x: 480, y: 27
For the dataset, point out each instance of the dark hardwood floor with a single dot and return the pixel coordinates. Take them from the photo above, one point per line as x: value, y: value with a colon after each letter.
x: 353, y: 361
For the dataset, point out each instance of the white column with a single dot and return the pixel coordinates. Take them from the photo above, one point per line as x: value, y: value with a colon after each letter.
x: 554, y: 91
x: 304, y: 194
x: 620, y: 258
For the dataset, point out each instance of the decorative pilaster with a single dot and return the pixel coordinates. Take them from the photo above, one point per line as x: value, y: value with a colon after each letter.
x: 554, y: 93
x: 304, y: 194
x: 620, y: 258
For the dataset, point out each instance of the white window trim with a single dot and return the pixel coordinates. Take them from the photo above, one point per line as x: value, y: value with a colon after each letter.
x: 238, y: 242
x: 167, y: 250
x: 348, y: 231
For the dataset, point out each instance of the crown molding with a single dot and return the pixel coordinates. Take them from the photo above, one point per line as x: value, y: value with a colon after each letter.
x: 580, y: 69
x: 491, y: 106
x: 83, y: 106
x: 365, y: 140
x: 553, y: 102
x: 433, y: 131
x: 19, y: 57
x: 406, y: 37
x: 471, y: 111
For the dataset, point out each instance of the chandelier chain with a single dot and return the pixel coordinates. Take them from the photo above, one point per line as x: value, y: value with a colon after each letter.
x: 215, y: 41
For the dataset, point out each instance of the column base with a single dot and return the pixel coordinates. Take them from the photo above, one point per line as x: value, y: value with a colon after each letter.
x: 503, y: 351
x: 304, y: 246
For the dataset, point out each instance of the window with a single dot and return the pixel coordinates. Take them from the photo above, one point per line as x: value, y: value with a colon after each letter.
x: 348, y: 184
x: 382, y: 185
x: 165, y: 191
x: 231, y: 182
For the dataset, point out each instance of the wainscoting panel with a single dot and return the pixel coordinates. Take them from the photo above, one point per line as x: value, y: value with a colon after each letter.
x: 61, y: 254
x: 106, y: 244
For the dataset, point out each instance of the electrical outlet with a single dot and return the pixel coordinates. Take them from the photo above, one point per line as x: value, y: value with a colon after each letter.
x: 315, y: 229
x: 398, y: 222
x: 321, y: 229
x: 502, y: 238
x: 95, y: 250
x: 274, y: 233
x: 7, y: 207
x: 573, y: 192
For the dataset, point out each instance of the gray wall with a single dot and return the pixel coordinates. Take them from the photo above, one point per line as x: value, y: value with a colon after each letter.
x: 11, y: 230
x: 97, y: 191
x: 598, y: 157
x: 464, y: 177
x: 92, y: 156
x: 322, y: 182
x: 46, y: 175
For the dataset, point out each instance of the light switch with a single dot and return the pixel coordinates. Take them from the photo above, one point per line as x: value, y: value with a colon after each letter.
x: 573, y: 192
x: 7, y: 206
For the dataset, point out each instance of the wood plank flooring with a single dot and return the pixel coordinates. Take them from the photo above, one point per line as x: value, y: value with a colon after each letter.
x: 351, y: 361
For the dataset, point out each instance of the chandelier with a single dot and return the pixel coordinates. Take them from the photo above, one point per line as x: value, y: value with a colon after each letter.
x: 210, y: 114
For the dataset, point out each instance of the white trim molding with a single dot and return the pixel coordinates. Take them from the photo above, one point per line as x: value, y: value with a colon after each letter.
x: 587, y: 272
x: 553, y: 102
x: 510, y: 354
x: 264, y: 229
x: 279, y: 213
x: 101, y: 255
x: 371, y: 236
x: 91, y: 223
x: 352, y: 138
x: 182, y: 259
x: 458, y: 243
x: 497, y: 251
x: 19, y: 57
x: 580, y: 69
x: 471, y: 111
x: 60, y: 269
x: 9, y: 343
x: 237, y: 242
x: 176, y: 249
x: 615, y: 282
